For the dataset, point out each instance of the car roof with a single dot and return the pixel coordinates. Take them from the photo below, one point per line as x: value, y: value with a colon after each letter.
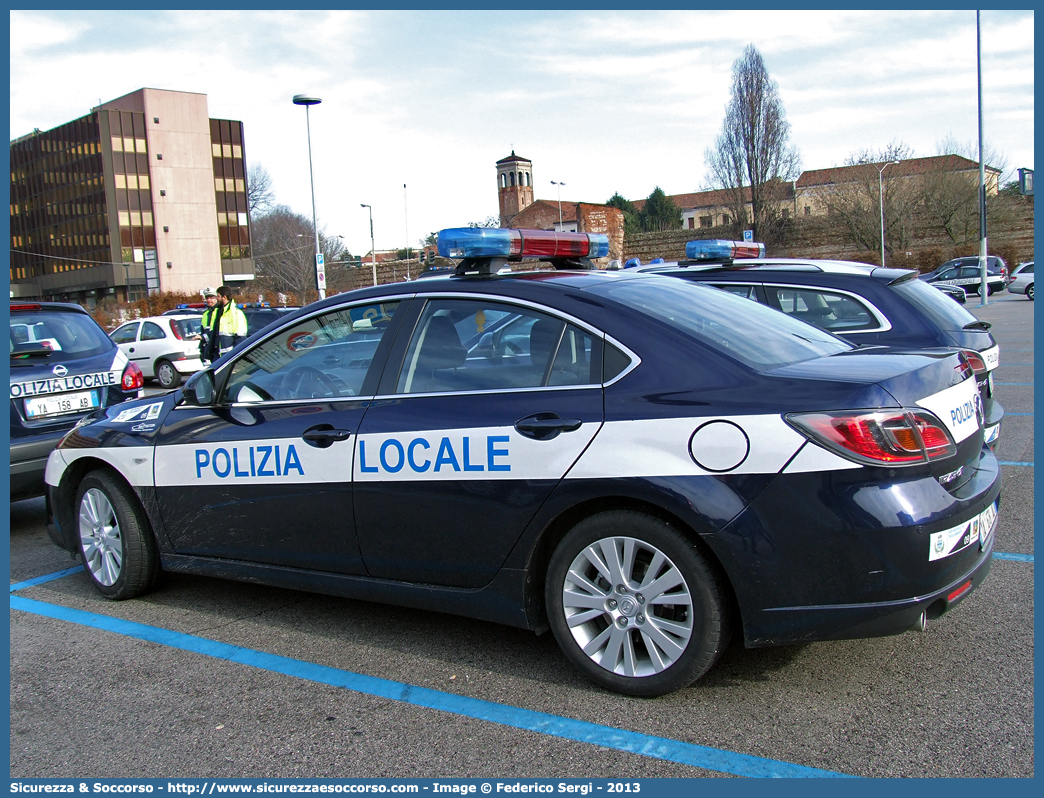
x: 164, y: 317
x: 18, y: 306
x: 784, y: 265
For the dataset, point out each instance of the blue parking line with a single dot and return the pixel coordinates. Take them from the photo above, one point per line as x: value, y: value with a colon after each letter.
x: 1014, y: 383
x: 1004, y: 555
x: 697, y: 756
x: 1006, y: 413
x: 1015, y: 463
x: 47, y: 578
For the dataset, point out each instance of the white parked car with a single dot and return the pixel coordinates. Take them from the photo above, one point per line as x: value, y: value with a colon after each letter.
x: 164, y: 347
x: 1022, y: 280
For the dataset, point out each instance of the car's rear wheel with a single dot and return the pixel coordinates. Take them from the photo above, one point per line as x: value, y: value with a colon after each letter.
x: 1029, y: 292
x: 168, y: 376
x: 116, y: 542
x: 634, y: 604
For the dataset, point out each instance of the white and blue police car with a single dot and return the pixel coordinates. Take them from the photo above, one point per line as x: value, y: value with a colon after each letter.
x: 645, y: 466
x: 866, y: 305
x: 63, y: 367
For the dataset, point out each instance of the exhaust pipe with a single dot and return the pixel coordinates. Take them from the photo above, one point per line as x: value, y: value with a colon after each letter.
x: 922, y: 622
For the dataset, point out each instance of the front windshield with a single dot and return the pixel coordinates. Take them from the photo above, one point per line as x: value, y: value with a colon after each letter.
x: 756, y: 335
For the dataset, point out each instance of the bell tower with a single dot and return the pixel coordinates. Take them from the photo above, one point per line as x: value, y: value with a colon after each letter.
x: 514, y: 186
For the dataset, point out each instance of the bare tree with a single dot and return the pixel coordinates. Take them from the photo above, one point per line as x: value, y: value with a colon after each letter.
x: 952, y: 194
x: 752, y: 157
x: 284, y: 252
x: 856, y: 204
x: 260, y: 196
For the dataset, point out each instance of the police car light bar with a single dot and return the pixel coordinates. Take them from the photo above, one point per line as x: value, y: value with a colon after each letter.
x: 485, y: 242
x: 717, y: 249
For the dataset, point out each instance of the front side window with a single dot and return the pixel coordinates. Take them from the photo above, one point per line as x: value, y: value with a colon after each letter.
x: 745, y: 291
x: 464, y: 345
x: 827, y: 310
x: 126, y: 334
x: 324, y: 357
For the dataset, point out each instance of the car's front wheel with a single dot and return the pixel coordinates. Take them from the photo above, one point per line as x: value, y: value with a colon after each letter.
x: 634, y: 604
x: 168, y: 376
x: 116, y: 542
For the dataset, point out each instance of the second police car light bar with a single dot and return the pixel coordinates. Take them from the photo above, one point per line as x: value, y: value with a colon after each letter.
x: 717, y: 249
x: 486, y: 242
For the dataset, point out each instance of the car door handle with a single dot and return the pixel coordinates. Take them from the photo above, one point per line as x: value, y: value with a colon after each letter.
x: 325, y: 436
x: 545, y: 426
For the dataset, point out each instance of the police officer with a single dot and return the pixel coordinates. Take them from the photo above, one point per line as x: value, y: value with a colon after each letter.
x: 224, y: 324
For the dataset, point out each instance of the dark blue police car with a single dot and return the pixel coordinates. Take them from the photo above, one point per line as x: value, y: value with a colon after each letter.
x: 63, y: 366
x: 866, y: 305
x: 644, y: 465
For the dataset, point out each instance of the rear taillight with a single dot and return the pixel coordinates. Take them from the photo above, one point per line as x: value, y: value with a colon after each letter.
x: 975, y: 361
x: 174, y: 328
x: 879, y: 437
x: 132, y: 378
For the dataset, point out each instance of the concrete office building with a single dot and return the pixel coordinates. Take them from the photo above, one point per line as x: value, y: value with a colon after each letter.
x: 146, y: 193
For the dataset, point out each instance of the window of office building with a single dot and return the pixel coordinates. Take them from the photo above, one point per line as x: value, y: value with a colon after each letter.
x: 230, y: 187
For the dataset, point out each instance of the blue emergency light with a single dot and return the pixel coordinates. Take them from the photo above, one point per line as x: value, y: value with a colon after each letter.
x: 717, y: 249
x: 498, y: 242
x: 633, y: 263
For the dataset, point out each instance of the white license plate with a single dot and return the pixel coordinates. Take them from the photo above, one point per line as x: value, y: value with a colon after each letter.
x: 986, y: 520
x: 59, y: 404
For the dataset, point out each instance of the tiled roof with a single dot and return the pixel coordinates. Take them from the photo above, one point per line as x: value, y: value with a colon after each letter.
x: 700, y: 199
x: 512, y: 158
x: 568, y: 208
x: 908, y: 168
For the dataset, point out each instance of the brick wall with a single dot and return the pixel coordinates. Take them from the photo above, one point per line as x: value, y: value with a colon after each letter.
x: 1010, y: 235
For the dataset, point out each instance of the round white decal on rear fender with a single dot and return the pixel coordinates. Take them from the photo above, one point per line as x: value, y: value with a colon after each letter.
x: 719, y: 446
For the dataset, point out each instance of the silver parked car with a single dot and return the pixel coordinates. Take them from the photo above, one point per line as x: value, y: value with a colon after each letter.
x: 1022, y: 280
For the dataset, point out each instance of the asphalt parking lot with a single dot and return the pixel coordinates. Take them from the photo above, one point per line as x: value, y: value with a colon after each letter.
x: 241, y: 680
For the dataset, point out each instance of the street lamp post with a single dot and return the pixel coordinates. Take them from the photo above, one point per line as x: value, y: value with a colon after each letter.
x: 320, y: 270
x: 373, y: 249
x: 880, y: 197
x: 556, y: 183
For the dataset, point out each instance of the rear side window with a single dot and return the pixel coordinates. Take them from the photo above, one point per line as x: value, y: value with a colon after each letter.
x: 837, y: 313
x: 938, y: 307
x: 468, y: 345
x: 69, y: 335
x: 150, y: 331
x: 756, y: 335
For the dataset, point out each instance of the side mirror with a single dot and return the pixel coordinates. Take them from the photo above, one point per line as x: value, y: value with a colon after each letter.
x: 199, y: 390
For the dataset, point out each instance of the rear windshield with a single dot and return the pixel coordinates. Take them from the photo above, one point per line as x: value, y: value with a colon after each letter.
x: 188, y: 327
x: 69, y: 335
x: 756, y: 335
x: 934, y: 304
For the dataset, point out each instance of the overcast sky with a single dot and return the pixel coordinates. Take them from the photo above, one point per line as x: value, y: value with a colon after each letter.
x: 603, y: 101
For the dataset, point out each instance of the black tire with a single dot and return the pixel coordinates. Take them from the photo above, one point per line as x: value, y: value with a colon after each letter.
x: 695, y: 628
x: 116, y: 541
x: 168, y: 376
x: 1029, y: 292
